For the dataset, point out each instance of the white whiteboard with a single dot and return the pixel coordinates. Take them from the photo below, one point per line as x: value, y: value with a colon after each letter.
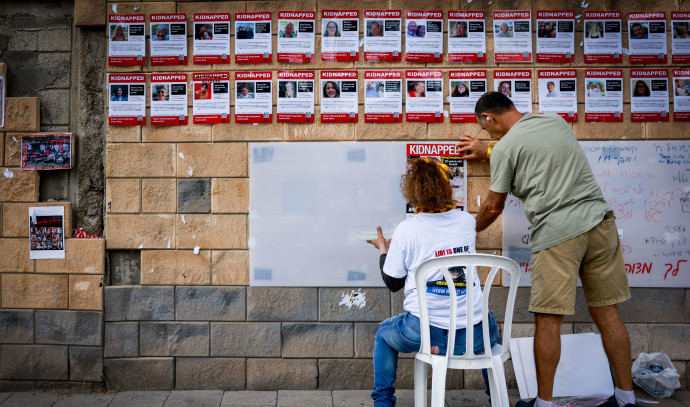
x: 647, y: 184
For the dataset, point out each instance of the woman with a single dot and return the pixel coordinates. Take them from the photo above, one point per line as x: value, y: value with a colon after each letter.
x: 161, y: 33
x: 331, y: 90
x: 119, y: 34
x: 417, y: 90
x: 680, y: 88
x: 289, y: 90
x: 594, y: 31
x: 331, y: 30
x: 641, y: 89
x: 161, y: 93
x: 203, y: 34
x: 460, y: 91
x: 119, y: 95
x: 436, y: 225
x: 203, y: 92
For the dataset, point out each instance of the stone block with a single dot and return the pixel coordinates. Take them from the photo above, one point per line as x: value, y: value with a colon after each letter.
x: 56, y: 67
x: 476, y: 187
x: 122, y: 195
x: 69, y: 327
x: 212, y: 232
x: 667, y: 130
x: 34, y: 291
x: 671, y: 339
x: 123, y: 134
x: 491, y: 237
x: 139, y: 303
x: 320, y: 131
x: 140, y: 231
x: 364, y: 339
x: 210, y: 374
x: 210, y: 304
x: 16, y: 256
x: 377, y: 306
x: 285, y: 374
x: 499, y: 298
x: 147, y: 7
x: 194, y: 195
x: 82, y: 256
x: 658, y: 305
x: 12, y: 149
x: 22, y: 114
x: 389, y: 131
x: 21, y: 187
x: 174, y: 338
x: 638, y: 334
x: 397, y: 300
x: 230, y: 267
x: 191, y: 132
x: 33, y: 362
x: 89, y: 13
x: 86, y: 293
x: 248, y: 132
x: 245, y: 339
x: 54, y: 110
x: 230, y: 195
x: 121, y: 340
x: 211, y: 160
x: 177, y: 267
x: 158, y: 195
x: 140, y: 160
x: 125, y: 267
x: 85, y: 364
x: 359, y: 374
x: 317, y: 340
x: 16, y: 326
x: 140, y: 373
x: 282, y: 304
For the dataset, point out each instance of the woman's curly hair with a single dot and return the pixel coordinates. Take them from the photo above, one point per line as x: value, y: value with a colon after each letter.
x: 424, y: 185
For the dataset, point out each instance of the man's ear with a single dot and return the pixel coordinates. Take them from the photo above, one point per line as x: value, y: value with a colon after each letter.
x: 486, y: 117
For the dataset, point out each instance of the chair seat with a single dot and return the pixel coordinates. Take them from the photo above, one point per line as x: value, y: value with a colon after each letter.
x: 458, y: 362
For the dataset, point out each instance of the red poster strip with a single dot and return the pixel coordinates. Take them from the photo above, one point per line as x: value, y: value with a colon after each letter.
x: 338, y: 118
x: 424, y: 117
x: 382, y: 57
x: 168, y: 121
x: 603, y: 117
x: 463, y: 118
x: 382, y: 118
x: 339, y: 56
x: 295, y: 58
x: 423, y: 57
x: 295, y: 118
x: 603, y: 59
x: 649, y: 117
x: 253, y: 118
x: 252, y: 58
x: 168, y: 60
x: 126, y: 61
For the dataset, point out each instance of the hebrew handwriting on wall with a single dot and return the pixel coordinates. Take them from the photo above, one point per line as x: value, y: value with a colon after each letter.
x: 647, y: 185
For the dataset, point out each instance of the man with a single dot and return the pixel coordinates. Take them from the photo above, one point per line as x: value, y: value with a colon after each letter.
x: 503, y: 32
x: 375, y: 29
x: 504, y: 88
x: 681, y: 30
x: 289, y: 31
x: 637, y: 32
x: 574, y: 234
x: 371, y: 91
x: 412, y: 29
x: 161, y: 93
x: 551, y: 87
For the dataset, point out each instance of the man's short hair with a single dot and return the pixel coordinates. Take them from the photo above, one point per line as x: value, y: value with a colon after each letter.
x: 550, y: 83
x: 494, y: 103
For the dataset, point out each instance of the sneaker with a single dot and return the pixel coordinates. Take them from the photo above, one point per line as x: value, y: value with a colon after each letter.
x: 526, y: 403
x: 612, y: 402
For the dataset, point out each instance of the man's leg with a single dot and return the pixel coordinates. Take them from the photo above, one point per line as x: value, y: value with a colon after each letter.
x: 547, y: 352
x: 616, y: 343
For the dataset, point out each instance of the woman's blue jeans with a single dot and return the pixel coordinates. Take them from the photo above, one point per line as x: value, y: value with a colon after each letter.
x: 401, y: 333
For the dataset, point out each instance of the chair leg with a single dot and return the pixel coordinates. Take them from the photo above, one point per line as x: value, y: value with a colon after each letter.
x: 438, y: 383
x: 494, y: 389
x: 420, y: 369
x: 500, y: 377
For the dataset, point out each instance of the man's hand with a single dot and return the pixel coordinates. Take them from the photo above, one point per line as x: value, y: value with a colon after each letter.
x: 469, y: 144
x: 380, y: 242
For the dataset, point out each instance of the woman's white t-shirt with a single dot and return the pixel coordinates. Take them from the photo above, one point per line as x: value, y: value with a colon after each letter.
x: 425, y: 236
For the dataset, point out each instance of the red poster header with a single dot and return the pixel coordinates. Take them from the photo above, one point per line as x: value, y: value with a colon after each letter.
x: 211, y: 17
x: 423, y: 74
x: 443, y: 150
x: 300, y: 15
x: 470, y: 15
x: 555, y: 14
x: 340, y: 14
x: 338, y: 74
x: 253, y: 75
x: 652, y: 15
x: 680, y: 15
x: 513, y: 74
x: 603, y: 73
x: 128, y: 18
x: 168, y: 17
x: 467, y: 74
x: 252, y: 16
x: 605, y: 15
x: 511, y: 15
x: 649, y: 73
x: 382, y: 74
x: 170, y: 77
x: 382, y: 13
x: 681, y: 72
x: 429, y: 15
x: 295, y: 74
x: 202, y: 76
x: 558, y: 73
x: 126, y: 78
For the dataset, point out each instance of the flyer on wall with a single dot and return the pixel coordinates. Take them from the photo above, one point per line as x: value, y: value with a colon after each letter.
x: 253, y: 38
x: 423, y: 36
x: 466, y: 36
x: 647, y: 37
x: 211, y: 38
x: 603, y: 40
x: 296, y: 96
x: 558, y: 93
x: 168, y: 39
x: 466, y: 88
x: 383, y: 96
x: 296, y: 36
x: 382, y: 35
x: 424, y: 100
x: 603, y: 95
x: 512, y: 36
x: 339, y: 97
x: 556, y: 36
x: 127, y: 106
x: 681, y: 95
x: 340, y: 35
x: 126, y: 39
x: 47, y: 232
x: 253, y: 97
x: 649, y: 95
x: 46, y: 151
x: 169, y: 99
x: 447, y: 154
x: 211, y: 103
x: 517, y: 85
x: 680, y: 40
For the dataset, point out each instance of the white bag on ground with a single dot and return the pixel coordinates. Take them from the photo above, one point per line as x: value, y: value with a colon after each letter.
x: 655, y: 374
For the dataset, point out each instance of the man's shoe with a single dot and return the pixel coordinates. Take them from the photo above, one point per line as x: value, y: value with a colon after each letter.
x: 612, y: 402
x: 526, y: 403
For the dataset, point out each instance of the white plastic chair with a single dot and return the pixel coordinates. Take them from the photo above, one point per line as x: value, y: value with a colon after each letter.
x: 440, y: 363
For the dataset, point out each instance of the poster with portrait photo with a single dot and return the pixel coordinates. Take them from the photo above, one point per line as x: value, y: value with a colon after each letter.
x: 127, y: 104
x: 383, y: 96
x: 603, y: 40
x: 556, y: 36
x: 253, y: 38
x: 339, y: 96
x: 512, y: 36
x: 603, y: 95
x: 296, y: 96
x: 211, y: 100
x: 647, y: 37
x: 517, y: 86
x: 466, y: 36
x: 445, y: 153
x: 126, y: 39
x: 466, y: 87
x: 211, y: 38
x: 424, y: 96
x: 340, y: 35
x: 681, y: 94
x: 46, y: 151
x: 558, y: 93
x: 46, y: 232
x: 169, y: 99
x: 168, y: 39
x: 296, y: 33
x: 649, y: 95
x: 254, y: 97
x: 680, y: 37
x: 382, y: 35
x: 423, y: 36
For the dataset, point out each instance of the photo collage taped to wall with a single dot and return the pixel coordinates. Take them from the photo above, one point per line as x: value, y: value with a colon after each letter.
x: 379, y: 34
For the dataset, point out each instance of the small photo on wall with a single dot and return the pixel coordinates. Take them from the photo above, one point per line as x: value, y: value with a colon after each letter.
x: 46, y: 151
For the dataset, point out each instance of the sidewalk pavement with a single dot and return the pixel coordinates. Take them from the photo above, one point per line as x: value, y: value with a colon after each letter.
x: 281, y: 398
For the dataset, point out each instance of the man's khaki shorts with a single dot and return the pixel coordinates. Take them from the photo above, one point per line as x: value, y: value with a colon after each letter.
x: 595, y: 256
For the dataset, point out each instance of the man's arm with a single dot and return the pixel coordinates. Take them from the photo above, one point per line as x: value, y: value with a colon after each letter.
x: 491, y: 209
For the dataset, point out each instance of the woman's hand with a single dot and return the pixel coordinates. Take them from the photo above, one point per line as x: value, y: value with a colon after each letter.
x: 380, y: 242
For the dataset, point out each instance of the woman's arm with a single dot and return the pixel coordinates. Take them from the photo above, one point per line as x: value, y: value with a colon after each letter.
x: 394, y: 284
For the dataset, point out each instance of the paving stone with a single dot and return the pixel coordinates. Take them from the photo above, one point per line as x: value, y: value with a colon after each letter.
x: 288, y: 374
x: 174, y: 338
x: 282, y: 304
x: 16, y: 326
x: 85, y: 400
x: 140, y: 374
x: 296, y: 398
x: 210, y: 303
x: 69, y: 327
x: 141, y: 397
x: 197, y: 398
x: 359, y: 374
x: 377, y: 307
x: 245, y: 339
x: 210, y: 374
x: 139, y: 303
x: 121, y: 340
x: 85, y: 364
x: 317, y: 340
x: 33, y: 362
x: 348, y: 398
x: 249, y: 398
x: 31, y: 400
x: 194, y: 195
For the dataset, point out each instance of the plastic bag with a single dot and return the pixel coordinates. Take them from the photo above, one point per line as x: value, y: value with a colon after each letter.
x: 655, y: 374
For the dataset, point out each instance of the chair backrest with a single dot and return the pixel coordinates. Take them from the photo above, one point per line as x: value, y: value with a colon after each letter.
x: 470, y: 262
